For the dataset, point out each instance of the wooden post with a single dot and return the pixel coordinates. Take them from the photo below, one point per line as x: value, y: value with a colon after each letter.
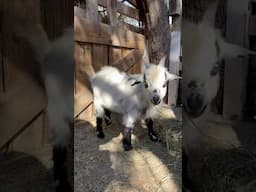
x: 157, y: 30
x: 92, y: 10
x: 235, y: 69
x: 112, y: 12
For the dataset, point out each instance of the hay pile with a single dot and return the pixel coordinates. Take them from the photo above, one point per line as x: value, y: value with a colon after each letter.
x: 231, y: 170
x: 169, y: 129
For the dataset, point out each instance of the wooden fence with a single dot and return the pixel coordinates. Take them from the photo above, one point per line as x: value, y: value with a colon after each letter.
x: 97, y: 45
x: 23, y: 118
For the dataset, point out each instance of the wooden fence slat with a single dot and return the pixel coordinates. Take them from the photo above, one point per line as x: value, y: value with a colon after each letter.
x: 129, y: 60
x: 122, y: 8
x: 100, y: 56
x: 83, y: 71
x: 132, y: 28
x: 132, y: 2
x: 99, y: 33
x: 14, y: 113
x: 126, y: 52
x: 115, y: 54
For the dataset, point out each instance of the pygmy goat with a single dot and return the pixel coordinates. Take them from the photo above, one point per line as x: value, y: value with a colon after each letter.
x: 133, y: 96
x: 204, y: 48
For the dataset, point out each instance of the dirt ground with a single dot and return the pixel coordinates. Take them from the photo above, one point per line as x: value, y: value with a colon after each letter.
x: 103, y: 165
x: 20, y: 172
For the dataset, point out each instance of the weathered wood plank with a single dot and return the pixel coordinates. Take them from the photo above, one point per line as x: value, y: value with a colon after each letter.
x: 122, y: 8
x: 115, y: 54
x: 99, y: 33
x: 125, y: 52
x: 32, y: 138
x: 82, y: 99
x: 129, y: 60
x: 15, y: 113
x: 84, y: 70
x: 132, y: 28
x: 100, y: 56
x: 88, y: 114
x: 132, y: 2
x: 92, y: 10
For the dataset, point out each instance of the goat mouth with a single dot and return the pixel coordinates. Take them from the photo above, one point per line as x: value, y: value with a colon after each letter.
x: 156, y: 102
x: 195, y: 114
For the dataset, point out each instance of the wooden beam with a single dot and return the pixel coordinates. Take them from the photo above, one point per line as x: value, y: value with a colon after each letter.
x: 133, y: 2
x: 99, y: 33
x: 129, y: 60
x: 122, y: 8
x: 133, y: 28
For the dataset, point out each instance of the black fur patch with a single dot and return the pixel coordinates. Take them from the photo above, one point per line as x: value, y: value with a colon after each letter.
x: 127, y: 137
x: 108, y: 117
x: 60, y: 169
x: 135, y: 83
x: 151, y: 133
x: 100, y: 133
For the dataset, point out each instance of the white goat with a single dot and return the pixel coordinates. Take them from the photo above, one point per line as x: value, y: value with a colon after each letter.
x: 203, y: 49
x: 133, y: 96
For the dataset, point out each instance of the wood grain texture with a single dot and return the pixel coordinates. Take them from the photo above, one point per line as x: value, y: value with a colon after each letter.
x: 99, y: 33
x: 122, y: 8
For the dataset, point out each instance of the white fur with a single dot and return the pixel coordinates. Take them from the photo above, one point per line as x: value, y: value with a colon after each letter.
x: 113, y: 90
x: 57, y: 70
x: 200, y: 56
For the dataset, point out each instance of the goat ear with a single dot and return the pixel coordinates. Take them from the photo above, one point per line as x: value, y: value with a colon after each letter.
x: 145, y: 57
x: 162, y: 62
x: 145, y: 66
x: 145, y: 60
x: 229, y: 50
x: 171, y: 76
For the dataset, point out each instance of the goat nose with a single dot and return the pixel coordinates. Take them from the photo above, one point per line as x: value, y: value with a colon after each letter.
x: 156, y: 99
x: 195, y: 102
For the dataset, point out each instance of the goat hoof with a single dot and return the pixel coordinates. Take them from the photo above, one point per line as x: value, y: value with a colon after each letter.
x: 153, y: 137
x: 100, y: 135
x: 127, y: 147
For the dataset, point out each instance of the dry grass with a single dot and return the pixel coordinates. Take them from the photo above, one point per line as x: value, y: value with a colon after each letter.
x: 231, y: 170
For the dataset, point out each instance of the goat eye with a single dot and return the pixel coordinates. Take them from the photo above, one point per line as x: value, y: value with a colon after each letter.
x: 164, y: 85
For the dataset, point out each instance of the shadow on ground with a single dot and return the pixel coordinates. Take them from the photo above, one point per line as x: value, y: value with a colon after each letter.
x: 102, y: 165
x: 23, y: 173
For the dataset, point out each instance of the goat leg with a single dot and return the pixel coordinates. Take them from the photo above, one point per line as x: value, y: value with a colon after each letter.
x: 151, y: 133
x: 127, y: 135
x: 60, y: 169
